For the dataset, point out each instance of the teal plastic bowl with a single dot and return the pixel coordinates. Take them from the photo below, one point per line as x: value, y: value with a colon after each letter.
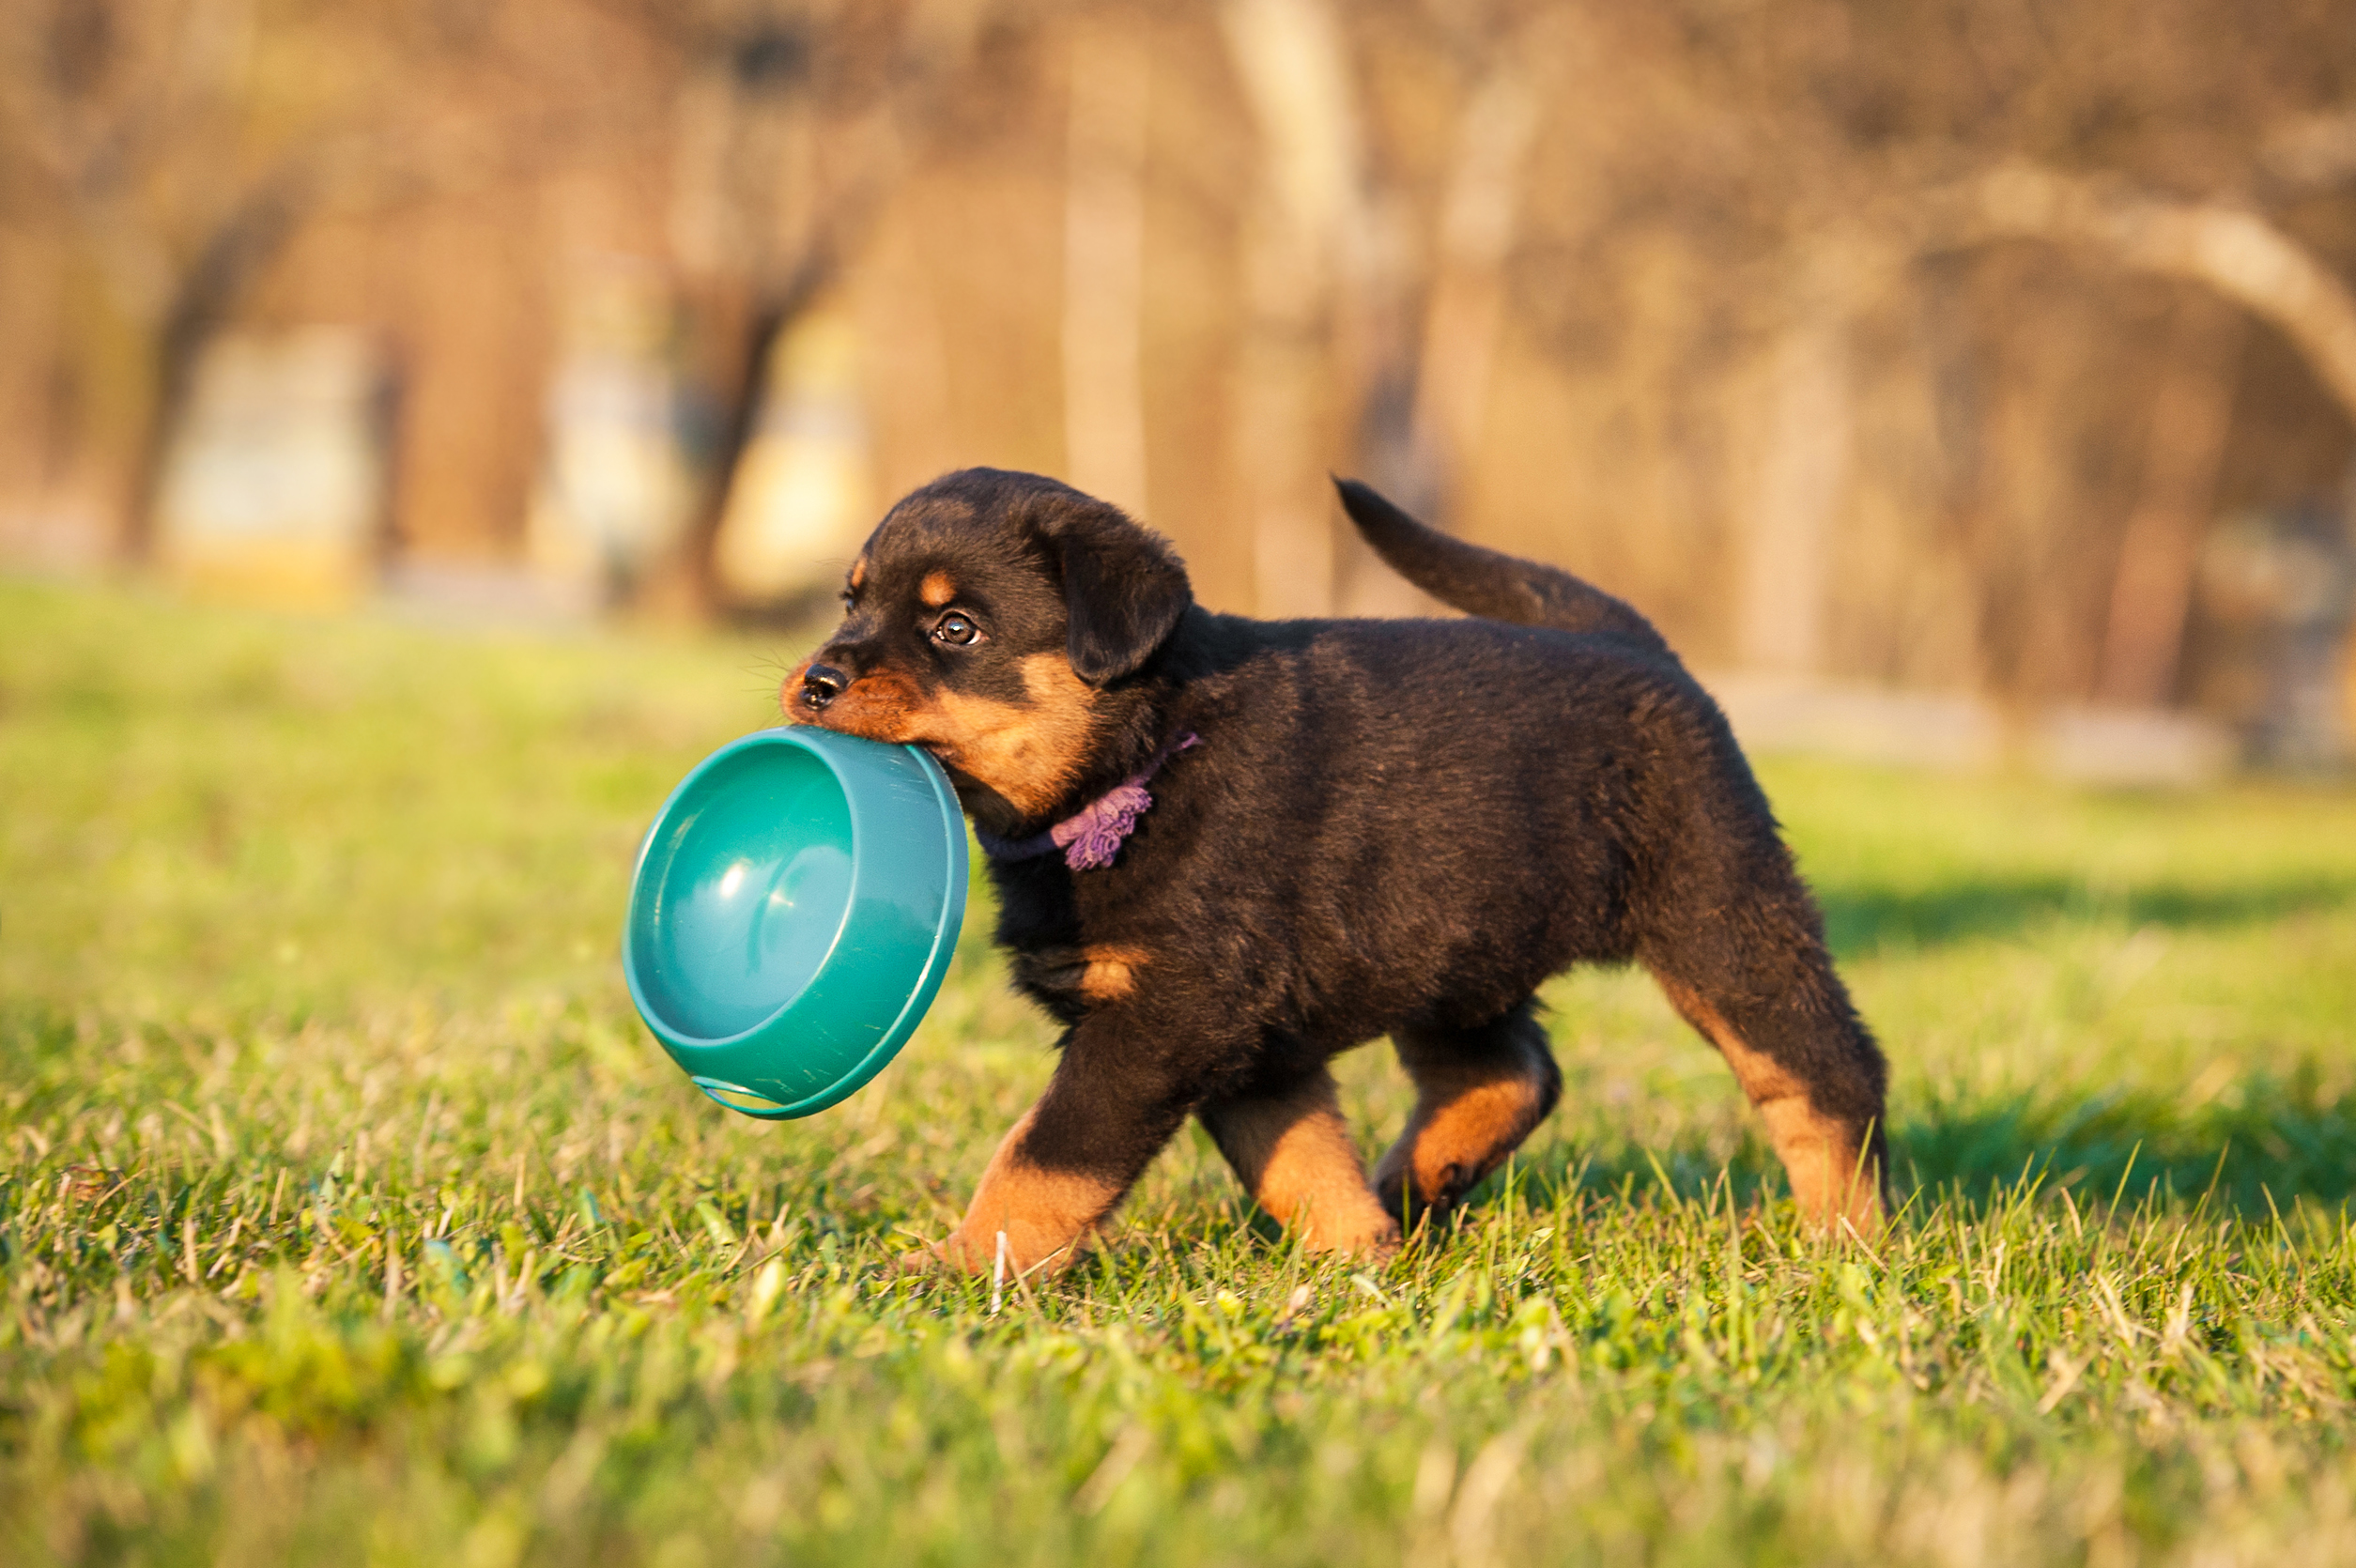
x: 794, y: 906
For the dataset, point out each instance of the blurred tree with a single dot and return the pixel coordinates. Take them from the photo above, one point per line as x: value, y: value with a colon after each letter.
x: 1917, y: 341
x: 1110, y: 91
x: 1457, y: 95
x: 168, y: 138
x: 1305, y: 237
x: 181, y: 146
x: 1374, y: 270
x: 793, y: 121
x: 1828, y: 160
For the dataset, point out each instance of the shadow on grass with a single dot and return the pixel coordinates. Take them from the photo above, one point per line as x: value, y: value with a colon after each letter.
x: 2280, y: 1140
x: 1861, y: 918
x: 2279, y: 1143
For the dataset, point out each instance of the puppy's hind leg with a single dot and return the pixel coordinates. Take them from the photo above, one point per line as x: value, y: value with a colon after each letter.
x: 1292, y: 1151
x: 1806, y: 1061
x: 1478, y: 1093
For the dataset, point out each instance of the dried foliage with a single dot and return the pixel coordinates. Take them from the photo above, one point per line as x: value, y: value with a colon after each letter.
x: 1920, y: 342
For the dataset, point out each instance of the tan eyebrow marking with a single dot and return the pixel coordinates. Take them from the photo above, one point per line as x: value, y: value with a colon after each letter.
x: 858, y: 573
x: 936, y: 590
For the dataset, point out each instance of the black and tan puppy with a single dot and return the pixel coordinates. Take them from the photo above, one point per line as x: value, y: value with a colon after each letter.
x: 1227, y: 850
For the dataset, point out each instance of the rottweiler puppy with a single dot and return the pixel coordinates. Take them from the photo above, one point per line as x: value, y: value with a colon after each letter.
x: 1226, y: 851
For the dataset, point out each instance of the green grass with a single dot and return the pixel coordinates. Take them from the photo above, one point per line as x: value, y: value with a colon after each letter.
x: 348, y: 1215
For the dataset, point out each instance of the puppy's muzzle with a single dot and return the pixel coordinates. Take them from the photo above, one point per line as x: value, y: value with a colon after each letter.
x: 820, y: 685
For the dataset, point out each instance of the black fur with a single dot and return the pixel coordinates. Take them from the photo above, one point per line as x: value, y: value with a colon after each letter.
x: 1390, y: 827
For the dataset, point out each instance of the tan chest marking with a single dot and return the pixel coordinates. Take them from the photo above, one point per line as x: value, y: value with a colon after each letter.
x: 1106, y: 972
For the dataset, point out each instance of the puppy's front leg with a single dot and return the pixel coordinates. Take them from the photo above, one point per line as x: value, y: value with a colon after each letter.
x: 1042, y: 1209
x: 1073, y: 1156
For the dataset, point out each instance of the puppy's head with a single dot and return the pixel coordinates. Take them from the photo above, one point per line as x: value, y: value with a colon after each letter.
x: 985, y: 620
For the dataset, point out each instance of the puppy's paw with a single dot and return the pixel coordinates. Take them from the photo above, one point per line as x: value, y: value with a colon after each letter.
x: 960, y: 1253
x: 1375, y: 1242
x: 957, y: 1253
x: 927, y: 1259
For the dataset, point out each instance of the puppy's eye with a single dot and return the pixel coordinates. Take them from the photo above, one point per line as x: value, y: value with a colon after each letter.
x: 957, y: 627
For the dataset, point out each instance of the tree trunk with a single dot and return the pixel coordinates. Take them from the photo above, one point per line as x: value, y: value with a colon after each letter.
x: 694, y: 583
x: 2192, y: 412
x: 1289, y: 58
x: 1105, y: 252
x: 1803, y: 475
x: 201, y: 302
x: 1480, y: 212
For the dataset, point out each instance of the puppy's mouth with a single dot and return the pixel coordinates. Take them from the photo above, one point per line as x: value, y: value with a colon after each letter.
x: 941, y: 752
x: 1008, y: 760
x: 827, y: 698
x: 976, y: 793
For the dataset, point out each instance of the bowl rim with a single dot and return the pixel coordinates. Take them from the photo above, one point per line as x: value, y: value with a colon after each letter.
x: 818, y: 744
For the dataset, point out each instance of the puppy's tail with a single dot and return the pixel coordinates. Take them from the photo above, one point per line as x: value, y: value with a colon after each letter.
x: 1489, y: 582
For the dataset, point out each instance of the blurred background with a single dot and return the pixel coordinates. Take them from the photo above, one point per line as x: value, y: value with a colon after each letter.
x: 1958, y: 380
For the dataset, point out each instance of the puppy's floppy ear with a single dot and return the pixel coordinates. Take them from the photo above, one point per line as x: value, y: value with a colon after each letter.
x: 1124, y: 588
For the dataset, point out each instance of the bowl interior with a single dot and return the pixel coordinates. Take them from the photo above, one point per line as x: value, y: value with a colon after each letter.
x: 750, y: 879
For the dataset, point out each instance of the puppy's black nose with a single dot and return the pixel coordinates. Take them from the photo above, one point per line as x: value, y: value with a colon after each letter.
x: 820, y: 685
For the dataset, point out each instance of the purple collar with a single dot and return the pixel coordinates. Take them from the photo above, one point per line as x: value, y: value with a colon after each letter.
x: 1091, y: 837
